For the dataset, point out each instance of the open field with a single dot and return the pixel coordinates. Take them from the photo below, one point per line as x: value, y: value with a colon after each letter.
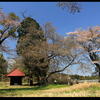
x: 77, y: 90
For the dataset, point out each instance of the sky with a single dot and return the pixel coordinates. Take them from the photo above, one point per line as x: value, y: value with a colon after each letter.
x: 62, y: 20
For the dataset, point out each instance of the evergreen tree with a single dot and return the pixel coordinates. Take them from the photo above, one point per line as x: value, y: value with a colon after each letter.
x: 29, y: 47
x: 3, y: 66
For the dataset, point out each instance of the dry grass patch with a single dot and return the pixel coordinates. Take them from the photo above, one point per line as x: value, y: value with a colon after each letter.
x: 77, y: 90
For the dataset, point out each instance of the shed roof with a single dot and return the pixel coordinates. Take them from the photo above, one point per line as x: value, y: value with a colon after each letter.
x: 16, y: 72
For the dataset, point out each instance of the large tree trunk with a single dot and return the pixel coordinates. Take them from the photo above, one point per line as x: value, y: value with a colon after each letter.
x: 42, y: 75
x: 94, y: 57
x: 30, y: 79
x: 99, y: 73
x: 31, y: 82
x: 42, y: 81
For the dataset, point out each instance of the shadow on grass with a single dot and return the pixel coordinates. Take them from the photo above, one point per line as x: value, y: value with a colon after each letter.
x: 15, y: 90
x: 26, y: 89
x: 33, y: 88
x: 30, y: 88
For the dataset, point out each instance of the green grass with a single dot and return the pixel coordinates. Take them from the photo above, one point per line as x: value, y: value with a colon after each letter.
x: 7, y: 90
x: 53, y: 90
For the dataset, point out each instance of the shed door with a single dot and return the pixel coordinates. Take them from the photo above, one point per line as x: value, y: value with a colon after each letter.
x: 16, y: 80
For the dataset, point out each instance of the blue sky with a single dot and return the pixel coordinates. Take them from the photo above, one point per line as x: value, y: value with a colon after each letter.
x: 63, y: 21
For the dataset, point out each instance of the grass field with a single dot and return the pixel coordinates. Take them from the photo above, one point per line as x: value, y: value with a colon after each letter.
x: 77, y: 90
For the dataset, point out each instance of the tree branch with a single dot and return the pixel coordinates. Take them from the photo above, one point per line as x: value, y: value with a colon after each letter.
x: 61, y: 69
x: 3, y: 39
x: 4, y: 32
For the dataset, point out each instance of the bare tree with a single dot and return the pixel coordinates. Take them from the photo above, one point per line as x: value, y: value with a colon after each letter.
x: 59, y: 51
x: 8, y: 26
x: 72, y: 7
x: 89, y: 40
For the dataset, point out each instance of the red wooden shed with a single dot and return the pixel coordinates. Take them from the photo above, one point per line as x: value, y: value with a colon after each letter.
x: 16, y: 76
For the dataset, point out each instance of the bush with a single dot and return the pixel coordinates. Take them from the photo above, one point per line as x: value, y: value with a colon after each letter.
x: 60, y: 79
